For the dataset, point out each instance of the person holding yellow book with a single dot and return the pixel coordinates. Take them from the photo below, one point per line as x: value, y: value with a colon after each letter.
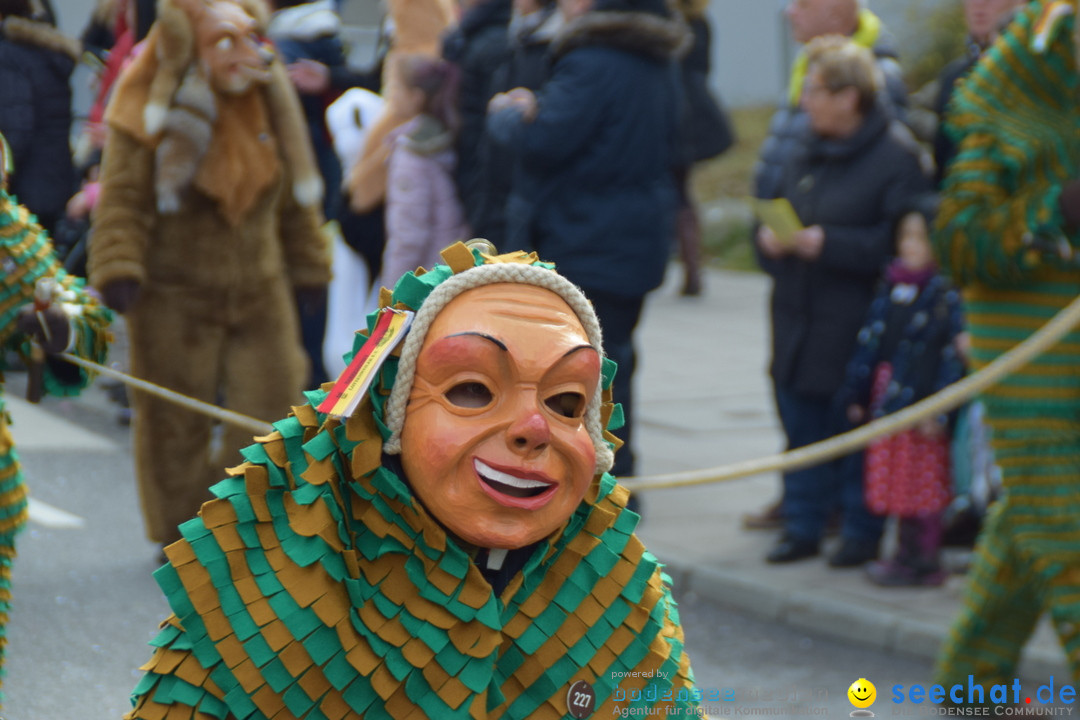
x: 854, y: 173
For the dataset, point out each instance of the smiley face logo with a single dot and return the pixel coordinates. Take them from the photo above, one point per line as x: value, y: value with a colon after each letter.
x: 862, y: 693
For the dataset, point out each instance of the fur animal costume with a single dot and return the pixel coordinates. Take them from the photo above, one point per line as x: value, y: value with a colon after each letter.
x: 26, y: 257
x: 1002, y: 234
x: 320, y: 585
x: 215, y: 316
x: 418, y: 25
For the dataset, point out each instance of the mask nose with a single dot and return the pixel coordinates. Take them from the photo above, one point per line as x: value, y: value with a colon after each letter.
x: 266, y: 53
x: 530, y: 432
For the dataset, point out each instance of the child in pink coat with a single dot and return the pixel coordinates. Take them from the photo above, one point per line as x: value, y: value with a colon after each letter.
x: 423, y: 212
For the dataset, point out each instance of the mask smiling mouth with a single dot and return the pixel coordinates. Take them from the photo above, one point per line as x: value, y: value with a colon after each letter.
x: 511, y: 489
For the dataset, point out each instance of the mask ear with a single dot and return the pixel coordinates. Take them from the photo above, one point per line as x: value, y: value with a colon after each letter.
x: 259, y: 11
x: 173, y: 40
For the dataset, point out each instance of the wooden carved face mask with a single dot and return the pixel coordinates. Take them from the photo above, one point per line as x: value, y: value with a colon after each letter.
x: 494, y: 441
x: 232, y: 54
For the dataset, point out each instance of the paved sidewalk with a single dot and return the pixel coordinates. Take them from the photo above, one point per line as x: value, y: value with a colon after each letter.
x: 704, y: 400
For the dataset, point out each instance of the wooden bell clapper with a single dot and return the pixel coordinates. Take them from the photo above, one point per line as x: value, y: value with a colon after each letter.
x: 45, y: 289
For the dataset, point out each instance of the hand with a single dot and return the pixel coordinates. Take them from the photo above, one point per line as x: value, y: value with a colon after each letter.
x: 770, y: 245
x: 98, y: 132
x: 49, y: 327
x: 856, y: 414
x: 520, y: 99
x: 309, y: 77
x: 120, y: 295
x: 963, y: 346
x: 78, y: 206
x: 499, y: 101
x: 524, y: 100
x: 808, y: 242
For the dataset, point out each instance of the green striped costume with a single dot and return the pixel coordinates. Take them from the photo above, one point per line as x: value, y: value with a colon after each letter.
x: 316, y: 586
x: 25, y: 256
x: 1001, y: 235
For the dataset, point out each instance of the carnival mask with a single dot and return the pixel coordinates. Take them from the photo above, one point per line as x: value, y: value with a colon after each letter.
x: 232, y: 54
x: 494, y: 442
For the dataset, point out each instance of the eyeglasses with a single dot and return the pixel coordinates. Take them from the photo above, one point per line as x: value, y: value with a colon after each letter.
x: 819, y: 88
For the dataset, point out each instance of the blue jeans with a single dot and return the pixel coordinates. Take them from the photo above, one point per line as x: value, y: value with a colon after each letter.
x: 812, y: 494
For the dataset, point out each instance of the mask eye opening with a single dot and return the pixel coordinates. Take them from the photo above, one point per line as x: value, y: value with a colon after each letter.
x: 471, y: 394
x: 567, y: 404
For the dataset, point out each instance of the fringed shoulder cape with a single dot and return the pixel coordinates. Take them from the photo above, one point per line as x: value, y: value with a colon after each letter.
x: 316, y: 585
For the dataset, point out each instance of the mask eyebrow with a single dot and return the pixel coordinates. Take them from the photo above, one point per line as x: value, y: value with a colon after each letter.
x: 571, y: 351
x: 498, y: 343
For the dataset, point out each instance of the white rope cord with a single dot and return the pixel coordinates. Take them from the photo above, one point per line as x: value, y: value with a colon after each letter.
x: 948, y: 399
x: 257, y: 427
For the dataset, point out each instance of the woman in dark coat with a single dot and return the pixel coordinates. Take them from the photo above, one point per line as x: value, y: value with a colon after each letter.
x: 593, y: 189
x: 478, y: 46
x: 854, y: 174
x: 36, y: 61
x: 527, y: 65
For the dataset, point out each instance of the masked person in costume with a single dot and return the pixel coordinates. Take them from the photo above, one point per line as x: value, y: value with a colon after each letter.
x: 205, y: 236
x: 1007, y: 232
x: 42, y: 309
x: 452, y: 548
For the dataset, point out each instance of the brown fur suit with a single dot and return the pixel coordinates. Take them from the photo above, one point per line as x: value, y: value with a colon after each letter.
x: 214, y: 315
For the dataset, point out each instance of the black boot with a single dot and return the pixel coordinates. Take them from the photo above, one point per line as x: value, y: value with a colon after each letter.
x: 791, y: 548
x: 916, y: 562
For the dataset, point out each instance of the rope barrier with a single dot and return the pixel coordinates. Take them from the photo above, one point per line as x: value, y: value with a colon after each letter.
x: 256, y: 426
x: 942, y: 402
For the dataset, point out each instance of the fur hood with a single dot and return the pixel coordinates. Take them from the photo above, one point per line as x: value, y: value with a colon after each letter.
x: 642, y: 33
x: 305, y: 22
x: 31, y: 32
x: 538, y: 27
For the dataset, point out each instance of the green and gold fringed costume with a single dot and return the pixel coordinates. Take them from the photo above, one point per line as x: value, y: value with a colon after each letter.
x: 26, y: 255
x: 317, y: 586
x: 1001, y: 234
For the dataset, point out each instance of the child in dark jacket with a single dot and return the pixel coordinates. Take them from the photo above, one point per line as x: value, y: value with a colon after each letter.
x: 906, y: 351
